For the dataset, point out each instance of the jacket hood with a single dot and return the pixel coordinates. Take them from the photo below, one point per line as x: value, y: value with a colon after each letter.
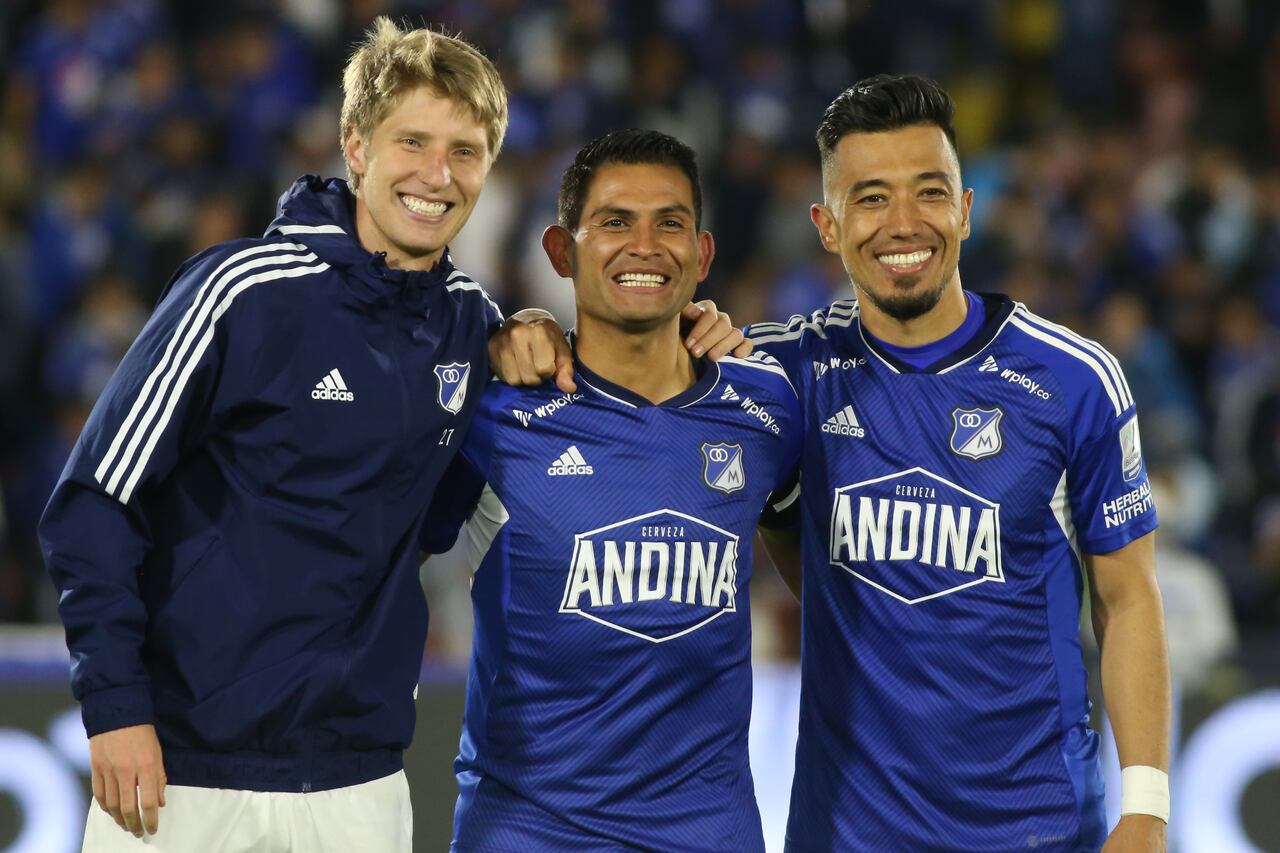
x: 320, y: 213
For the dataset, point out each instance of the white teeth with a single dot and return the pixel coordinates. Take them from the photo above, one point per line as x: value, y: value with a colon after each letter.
x: 425, y: 208
x: 641, y: 279
x: 906, y: 260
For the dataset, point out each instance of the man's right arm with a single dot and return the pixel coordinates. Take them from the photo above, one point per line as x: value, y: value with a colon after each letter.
x: 95, y: 535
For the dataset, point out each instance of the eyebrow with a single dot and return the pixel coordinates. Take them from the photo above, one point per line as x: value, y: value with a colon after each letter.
x: 880, y: 182
x: 624, y: 211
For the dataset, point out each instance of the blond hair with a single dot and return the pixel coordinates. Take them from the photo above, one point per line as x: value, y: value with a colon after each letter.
x: 390, y: 61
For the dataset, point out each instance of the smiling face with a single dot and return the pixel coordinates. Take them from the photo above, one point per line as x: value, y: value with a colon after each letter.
x: 636, y: 255
x: 421, y: 171
x: 896, y: 214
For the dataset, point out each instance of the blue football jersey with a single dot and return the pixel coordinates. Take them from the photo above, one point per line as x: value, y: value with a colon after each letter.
x: 610, y: 687
x: 943, y: 515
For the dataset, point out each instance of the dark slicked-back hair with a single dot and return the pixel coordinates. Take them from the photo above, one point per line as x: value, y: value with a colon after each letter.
x: 885, y: 102
x: 631, y: 146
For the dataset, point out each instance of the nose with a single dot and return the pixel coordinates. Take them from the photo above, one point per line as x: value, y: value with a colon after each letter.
x: 903, y: 218
x: 643, y: 242
x: 433, y: 170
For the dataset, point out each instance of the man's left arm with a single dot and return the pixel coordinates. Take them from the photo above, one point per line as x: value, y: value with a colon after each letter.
x: 530, y: 348
x: 1128, y: 621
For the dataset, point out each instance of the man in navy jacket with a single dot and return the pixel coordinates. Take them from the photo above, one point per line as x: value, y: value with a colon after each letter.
x: 235, y: 534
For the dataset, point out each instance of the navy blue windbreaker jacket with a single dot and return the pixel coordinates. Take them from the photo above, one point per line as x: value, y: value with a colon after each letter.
x: 235, y: 534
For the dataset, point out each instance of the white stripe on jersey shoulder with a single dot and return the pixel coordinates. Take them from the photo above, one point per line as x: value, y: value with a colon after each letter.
x: 311, y: 229
x: 1118, y: 393
x: 711, y: 386
x: 994, y: 338
x: 458, y: 280
x: 760, y: 361
x: 607, y: 394
x: 840, y: 313
x: 484, y: 525
x: 120, y: 470
x: 1109, y: 361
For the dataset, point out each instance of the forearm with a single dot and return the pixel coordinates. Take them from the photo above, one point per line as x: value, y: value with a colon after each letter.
x: 93, y: 551
x: 1135, y: 676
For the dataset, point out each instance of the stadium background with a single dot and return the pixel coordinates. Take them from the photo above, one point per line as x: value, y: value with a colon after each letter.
x: 1123, y: 156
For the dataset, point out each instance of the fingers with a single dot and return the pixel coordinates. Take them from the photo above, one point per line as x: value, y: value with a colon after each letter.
x: 541, y: 362
x: 732, y: 339
x: 111, y: 798
x: 99, y: 790
x: 564, y: 372
x: 529, y: 353
x: 128, y: 776
x: 743, y: 349
x: 703, y: 321
x: 150, y: 798
x: 128, y: 795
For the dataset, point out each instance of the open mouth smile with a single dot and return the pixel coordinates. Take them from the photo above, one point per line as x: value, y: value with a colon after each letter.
x: 422, y: 207
x: 641, y: 280
x: 905, y: 263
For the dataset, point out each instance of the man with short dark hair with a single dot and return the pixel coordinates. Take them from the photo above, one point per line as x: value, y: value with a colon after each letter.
x: 966, y: 462
x: 610, y: 532
x: 234, y: 534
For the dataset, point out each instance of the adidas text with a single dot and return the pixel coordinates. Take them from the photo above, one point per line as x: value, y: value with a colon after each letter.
x: 568, y: 470
x: 569, y: 464
x: 844, y: 422
x: 327, y: 394
x: 844, y: 429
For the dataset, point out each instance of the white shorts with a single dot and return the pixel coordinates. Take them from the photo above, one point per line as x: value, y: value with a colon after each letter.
x: 375, y: 817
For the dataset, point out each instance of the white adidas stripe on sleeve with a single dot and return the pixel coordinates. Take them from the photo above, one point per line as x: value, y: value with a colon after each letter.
x: 1082, y: 355
x: 155, y: 403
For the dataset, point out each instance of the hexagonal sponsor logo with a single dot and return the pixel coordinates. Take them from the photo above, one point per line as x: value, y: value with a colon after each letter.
x: 915, y: 536
x: 655, y: 576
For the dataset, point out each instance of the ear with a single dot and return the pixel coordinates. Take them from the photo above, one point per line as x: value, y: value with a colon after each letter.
x: 353, y: 150
x: 558, y: 243
x: 966, y: 202
x: 706, y: 251
x: 828, y: 228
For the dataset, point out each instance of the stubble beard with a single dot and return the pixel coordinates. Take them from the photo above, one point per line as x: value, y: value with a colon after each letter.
x: 907, y: 306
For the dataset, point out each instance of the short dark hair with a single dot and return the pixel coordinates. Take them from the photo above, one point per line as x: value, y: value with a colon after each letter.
x: 885, y: 102
x: 632, y: 146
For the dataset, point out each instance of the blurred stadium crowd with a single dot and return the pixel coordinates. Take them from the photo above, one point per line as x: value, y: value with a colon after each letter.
x: 1123, y: 154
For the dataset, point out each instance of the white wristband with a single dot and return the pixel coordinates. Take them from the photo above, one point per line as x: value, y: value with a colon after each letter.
x: 1144, y: 790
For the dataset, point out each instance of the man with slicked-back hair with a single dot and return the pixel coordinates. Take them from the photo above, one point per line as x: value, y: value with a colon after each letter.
x: 967, y: 465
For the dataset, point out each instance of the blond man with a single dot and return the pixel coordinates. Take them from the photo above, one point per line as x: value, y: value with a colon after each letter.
x: 234, y: 536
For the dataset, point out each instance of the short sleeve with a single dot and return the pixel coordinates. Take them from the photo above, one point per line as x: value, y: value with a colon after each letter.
x: 1107, y: 483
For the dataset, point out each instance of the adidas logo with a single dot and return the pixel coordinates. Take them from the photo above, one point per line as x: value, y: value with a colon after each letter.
x: 729, y: 393
x: 570, y: 463
x: 989, y: 366
x: 844, y: 422
x: 332, y: 388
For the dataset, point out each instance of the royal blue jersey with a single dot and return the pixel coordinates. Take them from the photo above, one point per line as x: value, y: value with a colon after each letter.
x: 943, y: 515
x: 610, y: 687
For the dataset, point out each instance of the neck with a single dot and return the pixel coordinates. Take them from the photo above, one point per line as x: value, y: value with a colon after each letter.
x: 933, y: 325
x: 653, y: 364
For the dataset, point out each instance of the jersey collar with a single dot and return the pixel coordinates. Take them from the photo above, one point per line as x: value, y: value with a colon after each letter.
x: 707, y: 372
x: 998, y: 309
